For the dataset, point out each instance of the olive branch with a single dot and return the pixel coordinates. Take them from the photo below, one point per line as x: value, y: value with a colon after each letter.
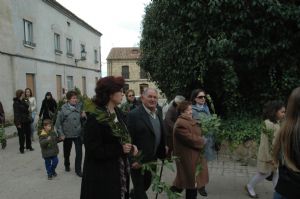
x: 159, y: 186
x: 119, y: 130
x: 208, y: 124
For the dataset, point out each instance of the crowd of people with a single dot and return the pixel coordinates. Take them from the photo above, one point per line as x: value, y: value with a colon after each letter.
x: 120, y: 138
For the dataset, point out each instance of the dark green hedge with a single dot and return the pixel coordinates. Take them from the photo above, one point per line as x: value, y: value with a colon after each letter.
x: 243, y: 53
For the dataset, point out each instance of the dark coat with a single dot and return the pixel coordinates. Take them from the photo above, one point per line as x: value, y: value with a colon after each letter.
x: 169, y: 122
x: 142, y: 133
x: 288, y: 184
x: 2, y: 114
x: 47, y: 107
x: 21, y: 112
x: 101, y: 170
x: 49, y: 148
x: 188, y: 144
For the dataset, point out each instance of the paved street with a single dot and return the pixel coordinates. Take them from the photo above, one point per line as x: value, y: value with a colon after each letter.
x: 23, y: 176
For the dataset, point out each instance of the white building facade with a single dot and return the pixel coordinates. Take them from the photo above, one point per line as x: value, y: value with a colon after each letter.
x: 45, y: 47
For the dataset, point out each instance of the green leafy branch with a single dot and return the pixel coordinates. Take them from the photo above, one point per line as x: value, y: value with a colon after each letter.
x: 208, y: 124
x: 159, y: 186
x: 119, y: 130
x: 210, y: 101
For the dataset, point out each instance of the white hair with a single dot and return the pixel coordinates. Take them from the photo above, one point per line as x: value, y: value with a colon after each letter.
x: 145, y: 92
x: 179, y: 99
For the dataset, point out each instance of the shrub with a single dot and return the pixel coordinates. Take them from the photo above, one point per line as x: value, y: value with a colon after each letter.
x: 241, y: 128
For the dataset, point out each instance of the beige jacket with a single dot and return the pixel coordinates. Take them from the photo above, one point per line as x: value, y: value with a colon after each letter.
x: 264, y: 156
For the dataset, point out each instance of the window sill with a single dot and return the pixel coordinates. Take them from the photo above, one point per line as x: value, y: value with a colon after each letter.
x: 29, y: 44
x: 70, y: 55
x: 58, y: 52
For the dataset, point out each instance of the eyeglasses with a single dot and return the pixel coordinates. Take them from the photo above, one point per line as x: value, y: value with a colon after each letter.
x: 200, y: 97
x: 130, y: 96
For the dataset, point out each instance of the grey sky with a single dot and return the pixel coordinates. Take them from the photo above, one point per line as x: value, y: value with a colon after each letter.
x: 119, y: 21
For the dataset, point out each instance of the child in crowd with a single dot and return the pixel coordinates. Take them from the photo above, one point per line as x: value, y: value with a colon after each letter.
x: 48, y: 141
x: 273, y: 114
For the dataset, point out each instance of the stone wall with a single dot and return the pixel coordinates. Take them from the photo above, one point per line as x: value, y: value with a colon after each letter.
x: 245, y: 153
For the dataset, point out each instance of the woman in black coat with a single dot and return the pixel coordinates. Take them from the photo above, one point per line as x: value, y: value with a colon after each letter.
x: 106, y: 166
x: 48, y: 108
x: 286, y: 151
x: 22, y: 120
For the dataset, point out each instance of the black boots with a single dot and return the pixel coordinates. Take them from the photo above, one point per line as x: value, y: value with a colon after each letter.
x: 202, y: 191
x: 176, y: 189
x: 191, y: 193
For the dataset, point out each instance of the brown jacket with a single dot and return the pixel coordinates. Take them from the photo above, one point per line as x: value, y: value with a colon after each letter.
x: 188, y: 144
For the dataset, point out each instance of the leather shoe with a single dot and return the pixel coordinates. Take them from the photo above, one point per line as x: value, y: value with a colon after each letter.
x: 54, y: 174
x: 30, y: 149
x: 176, y: 189
x: 202, y: 191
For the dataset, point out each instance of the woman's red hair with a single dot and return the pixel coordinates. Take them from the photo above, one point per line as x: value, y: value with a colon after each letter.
x: 107, y: 86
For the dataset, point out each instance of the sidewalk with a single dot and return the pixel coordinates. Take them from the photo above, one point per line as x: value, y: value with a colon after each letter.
x: 11, y: 131
x: 227, y: 181
x: 24, y: 176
